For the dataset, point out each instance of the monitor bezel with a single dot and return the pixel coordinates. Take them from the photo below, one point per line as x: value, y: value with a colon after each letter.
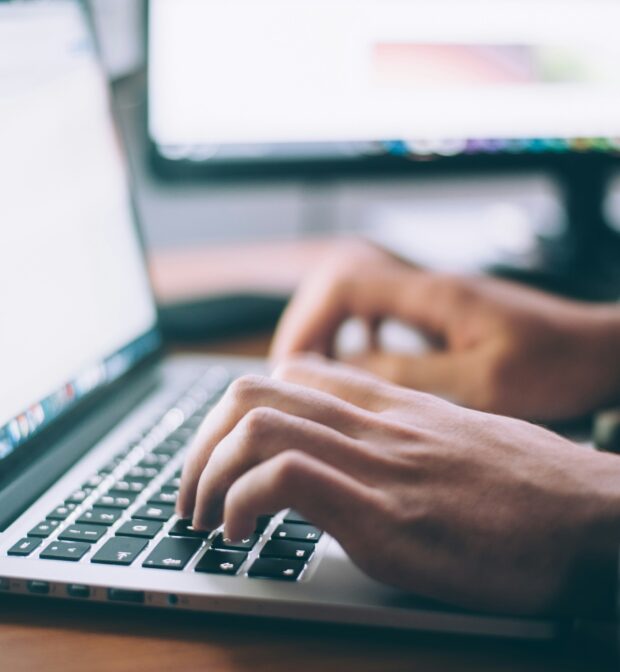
x: 348, y: 168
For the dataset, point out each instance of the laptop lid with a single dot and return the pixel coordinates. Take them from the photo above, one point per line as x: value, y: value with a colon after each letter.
x: 77, y: 309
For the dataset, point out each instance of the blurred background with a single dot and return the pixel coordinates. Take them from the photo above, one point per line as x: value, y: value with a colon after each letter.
x: 465, y: 136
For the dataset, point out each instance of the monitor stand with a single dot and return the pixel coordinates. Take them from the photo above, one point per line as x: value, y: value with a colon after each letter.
x: 584, y: 261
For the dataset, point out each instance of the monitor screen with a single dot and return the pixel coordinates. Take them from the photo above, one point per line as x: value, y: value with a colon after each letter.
x: 77, y: 310
x: 267, y: 79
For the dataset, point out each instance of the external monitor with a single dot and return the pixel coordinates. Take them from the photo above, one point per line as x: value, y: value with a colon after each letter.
x: 268, y: 83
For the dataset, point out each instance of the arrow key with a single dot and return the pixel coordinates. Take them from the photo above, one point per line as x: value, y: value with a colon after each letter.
x: 276, y: 568
x: 172, y: 553
x: 221, y: 562
x: 297, y: 532
x: 222, y: 543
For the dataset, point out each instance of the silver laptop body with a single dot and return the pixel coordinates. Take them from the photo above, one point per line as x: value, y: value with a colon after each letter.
x: 93, y: 420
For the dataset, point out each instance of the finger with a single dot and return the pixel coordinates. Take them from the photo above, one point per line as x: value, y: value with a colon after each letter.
x: 252, y: 392
x: 311, y: 320
x: 313, y: 317
x: 321, y: 493
x: 446, y: 374
x: 347, y: 382
x: 260, y: 436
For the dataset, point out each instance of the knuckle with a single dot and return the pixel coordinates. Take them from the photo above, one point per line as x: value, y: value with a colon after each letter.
x: 408, y: 518
x: 290, y: 368
x: 297, y: 367
x: 288, y: 467
x: 337, y: 282
x: 245, y: 389
x: 258, y: 422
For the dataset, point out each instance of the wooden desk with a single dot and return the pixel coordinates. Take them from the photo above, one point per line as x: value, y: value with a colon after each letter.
x: 54, y: 636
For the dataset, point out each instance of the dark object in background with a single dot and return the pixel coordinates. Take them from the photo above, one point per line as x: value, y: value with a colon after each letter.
x: 220, y: 317
x: 607, y: 431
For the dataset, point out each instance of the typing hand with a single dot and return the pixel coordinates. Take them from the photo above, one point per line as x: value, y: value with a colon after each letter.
x: 472, y: 509
x: 499, y: 347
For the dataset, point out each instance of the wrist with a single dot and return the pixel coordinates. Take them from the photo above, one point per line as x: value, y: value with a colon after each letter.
x: 593, y: 584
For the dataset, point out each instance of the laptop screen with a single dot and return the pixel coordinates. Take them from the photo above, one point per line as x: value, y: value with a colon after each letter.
x: 76, y: 305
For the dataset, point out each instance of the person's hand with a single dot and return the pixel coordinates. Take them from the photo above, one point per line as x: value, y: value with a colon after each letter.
x: 468, y: 508
x: 499, y: 347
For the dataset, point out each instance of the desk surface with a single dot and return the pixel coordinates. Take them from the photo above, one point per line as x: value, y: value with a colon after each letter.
x: 55, y: 636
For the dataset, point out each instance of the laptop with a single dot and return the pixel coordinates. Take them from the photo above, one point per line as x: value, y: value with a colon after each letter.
x: 94, y: 419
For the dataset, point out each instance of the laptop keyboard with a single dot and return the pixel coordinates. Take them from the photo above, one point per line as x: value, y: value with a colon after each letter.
x: 123, y: 515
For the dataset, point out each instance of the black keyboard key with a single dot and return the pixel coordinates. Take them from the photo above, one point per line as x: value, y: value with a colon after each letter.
x: 154, y: 461
x: 173, y: 484
x: 94, y: 481
x: 288, y: 550
x: 183, y: 528
x: 115, y: 501
x: 112, y: 465
x: 79, y: 496
x: 162, y: 512
x: 294, y: 517
x: 100, y: 516
x: 89, y: 533
x: 183, y: 435
x: 163, y: 498
x: 145, y: 529
x: 24, y: 546
x: 71, y: 551
x: 169, y: 447
x: 262, y: 523
x: 61, y: 512
x: 119, y: 551
x: 44, y: 529
x: 297, y: 532
x: 221, y: 562
x: 172, y: 553
x: 126, y: 486
x: 276, y: 568
x: 194, y: 422
x: 223, y: 543
x: 144, y: 474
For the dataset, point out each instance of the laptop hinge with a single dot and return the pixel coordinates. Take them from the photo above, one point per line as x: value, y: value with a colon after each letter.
x: 24, y: 489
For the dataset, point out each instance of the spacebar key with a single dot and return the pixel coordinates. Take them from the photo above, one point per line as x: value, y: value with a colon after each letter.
x: 172, y: 553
